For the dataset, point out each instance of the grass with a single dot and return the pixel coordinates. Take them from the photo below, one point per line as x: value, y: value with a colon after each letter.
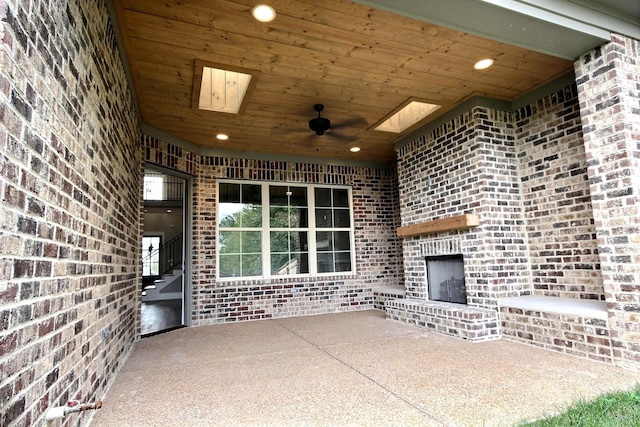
x: 610, y: 410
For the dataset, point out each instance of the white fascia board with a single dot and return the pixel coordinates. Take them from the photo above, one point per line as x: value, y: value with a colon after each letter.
x: 577, y: 15
x: 507, y: 21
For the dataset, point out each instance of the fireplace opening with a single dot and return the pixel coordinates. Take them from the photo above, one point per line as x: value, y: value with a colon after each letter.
x: 445, y: 278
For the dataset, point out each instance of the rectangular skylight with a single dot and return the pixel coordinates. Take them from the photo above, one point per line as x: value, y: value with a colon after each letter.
x: 222, y: 90
x: 407, y: 116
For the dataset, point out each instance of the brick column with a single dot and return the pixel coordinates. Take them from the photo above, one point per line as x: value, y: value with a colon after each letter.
x: 608, y: 80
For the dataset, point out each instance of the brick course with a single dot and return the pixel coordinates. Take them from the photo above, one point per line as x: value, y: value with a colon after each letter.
x: 555, y: 194
x: 69, y: 208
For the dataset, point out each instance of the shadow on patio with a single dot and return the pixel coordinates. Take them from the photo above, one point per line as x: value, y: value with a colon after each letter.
x: 343, y: 369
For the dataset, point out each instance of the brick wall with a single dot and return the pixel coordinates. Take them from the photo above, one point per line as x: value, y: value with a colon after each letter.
x: 69, y: 208
x: 608, y: 81
x: 524, y: 173
x: 378, y: 257
x: 555, y: 195
x: 468, y: 165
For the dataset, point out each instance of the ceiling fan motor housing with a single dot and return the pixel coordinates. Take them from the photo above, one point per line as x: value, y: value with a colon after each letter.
x: 319, y: 125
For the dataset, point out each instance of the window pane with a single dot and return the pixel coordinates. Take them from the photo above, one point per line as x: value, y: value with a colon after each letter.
x: 228, y: 215
x: 341, y: 241
x: 298, y: 196
x: 229, y: 193
x: 278, y: 196
x: 251, y: 242
x: 279, y: 217
x: 289, y: 241
x: 342, y: 218
x: 296, y: 263
x: 343, y: 261
x: 323, y: 197
x: 302, y: 262
x: 240, y: 215
x: 323, y: 241
x: 300, y: 241
x: 280, y: 264
x: 323, y: 218
x: 251, y: 194
x: 300, y: 218
x: 229, y: 265
x: 325, y: 263
x: 340, y: 198
x: 239, y: 205
x: 289, y: 252
x: 284, y: 217
x: 229, y: 242
x: 287, y: 196
x: 252, y: 265
x: 279, y: 242
x: 251, y: 216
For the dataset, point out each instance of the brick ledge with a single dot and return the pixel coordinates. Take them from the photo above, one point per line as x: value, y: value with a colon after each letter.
x: 593, y: 309
x: 463, y: 321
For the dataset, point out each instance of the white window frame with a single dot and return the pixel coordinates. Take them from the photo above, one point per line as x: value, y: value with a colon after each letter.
x: 266, y: 229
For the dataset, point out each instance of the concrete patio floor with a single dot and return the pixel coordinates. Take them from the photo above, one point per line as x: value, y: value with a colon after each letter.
x: 343, y: 369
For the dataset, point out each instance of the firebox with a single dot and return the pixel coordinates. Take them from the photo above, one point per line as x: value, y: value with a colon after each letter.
x: 445, y: 278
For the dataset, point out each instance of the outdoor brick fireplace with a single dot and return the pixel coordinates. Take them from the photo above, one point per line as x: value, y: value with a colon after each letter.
x: 462, y: 204
x: 505, y: 193
x: 438, y: 299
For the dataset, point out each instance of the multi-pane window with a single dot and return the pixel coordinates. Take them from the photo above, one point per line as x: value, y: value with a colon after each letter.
x: 288, y: 230
x: 240, y: 230
x: 269, y: 230
x: 333, y: 225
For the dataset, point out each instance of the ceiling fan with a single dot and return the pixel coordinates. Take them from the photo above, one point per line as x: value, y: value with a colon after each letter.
x: 322, y: 125
x: 319, y: 124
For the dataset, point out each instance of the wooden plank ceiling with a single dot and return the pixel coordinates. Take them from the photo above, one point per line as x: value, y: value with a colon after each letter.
x: 361, y: 63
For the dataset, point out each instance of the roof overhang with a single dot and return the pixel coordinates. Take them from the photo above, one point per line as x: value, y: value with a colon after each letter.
x: 561, y: 28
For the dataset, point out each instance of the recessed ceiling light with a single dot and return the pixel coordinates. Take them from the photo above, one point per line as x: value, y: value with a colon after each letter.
x: 222, y: 137
x: 264, y: 13
x: 169, y: 211
x: 483, y: 64
x: 355, y: 149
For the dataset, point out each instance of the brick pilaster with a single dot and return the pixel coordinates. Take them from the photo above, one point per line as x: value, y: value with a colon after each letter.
x: 608, y: 80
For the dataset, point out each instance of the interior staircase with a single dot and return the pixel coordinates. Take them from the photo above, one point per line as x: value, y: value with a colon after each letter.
x: 168, y: 286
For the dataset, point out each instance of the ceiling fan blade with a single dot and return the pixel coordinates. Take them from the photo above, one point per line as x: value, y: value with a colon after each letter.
x: 353, y: 122
x: 341, y: 138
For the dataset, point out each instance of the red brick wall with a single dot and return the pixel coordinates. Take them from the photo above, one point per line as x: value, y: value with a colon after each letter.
x: 608, y: 81
x: 378, y: 253
x: 467, y: 165
x: 70, y: 195
x: 555, y: 195
x: 524, y: 173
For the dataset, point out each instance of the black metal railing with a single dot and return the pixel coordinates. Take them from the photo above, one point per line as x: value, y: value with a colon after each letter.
x: 172, y: 190
x: 168, y: 257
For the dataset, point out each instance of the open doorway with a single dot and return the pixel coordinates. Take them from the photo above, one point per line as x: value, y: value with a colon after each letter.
x: 163, y: 305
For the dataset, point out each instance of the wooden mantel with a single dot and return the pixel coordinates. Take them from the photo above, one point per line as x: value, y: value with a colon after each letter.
x: 459, y: 222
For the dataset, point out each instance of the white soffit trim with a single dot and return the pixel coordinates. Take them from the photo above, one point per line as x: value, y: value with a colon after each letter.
x: 582, y: 15
x: 552, y: 29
